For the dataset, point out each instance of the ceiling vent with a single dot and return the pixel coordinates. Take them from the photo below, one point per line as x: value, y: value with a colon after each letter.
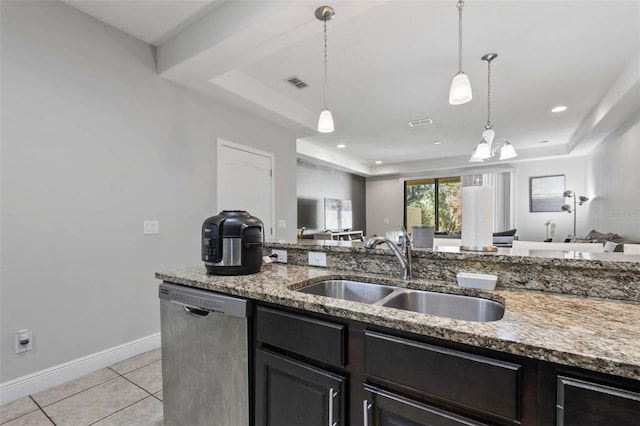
x: 418, y: 123
x: 295, y: 81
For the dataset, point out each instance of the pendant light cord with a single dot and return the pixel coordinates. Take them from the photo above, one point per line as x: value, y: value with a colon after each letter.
x: 460, y: 6
x: 489, y: 95
x: 325, y: 65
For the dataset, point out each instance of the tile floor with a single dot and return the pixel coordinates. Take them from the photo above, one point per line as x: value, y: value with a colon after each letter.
x: 128, y: 393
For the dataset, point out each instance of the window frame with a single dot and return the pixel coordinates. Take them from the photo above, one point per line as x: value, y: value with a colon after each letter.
x: 436, y: 198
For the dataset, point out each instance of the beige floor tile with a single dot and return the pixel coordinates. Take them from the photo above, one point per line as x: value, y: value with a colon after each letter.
x: 158, y: 395
x: 148, y: 378
x: 147, y: 412
x: 36, y: 418
x: 72, y: 387
x: 128, y: 365
x: 17, y: 408
x: 94, y: 404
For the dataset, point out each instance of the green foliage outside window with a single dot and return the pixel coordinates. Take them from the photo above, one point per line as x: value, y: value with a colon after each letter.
x: 438, y: 200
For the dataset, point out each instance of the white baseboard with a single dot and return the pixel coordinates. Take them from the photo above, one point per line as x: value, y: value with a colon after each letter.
x: 56, y: 375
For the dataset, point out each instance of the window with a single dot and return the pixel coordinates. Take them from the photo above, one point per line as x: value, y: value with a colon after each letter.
x: 433, y: 202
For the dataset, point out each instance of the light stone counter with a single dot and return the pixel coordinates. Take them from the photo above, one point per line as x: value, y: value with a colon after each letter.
x: 595, y: 334
x: 601, y: 275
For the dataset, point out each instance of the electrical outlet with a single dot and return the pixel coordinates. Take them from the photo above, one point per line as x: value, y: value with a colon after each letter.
x: 282, y: 224
x: 282, y: 256
x: 151, y: 227
x: 317, y: 258
x: 23, y: 341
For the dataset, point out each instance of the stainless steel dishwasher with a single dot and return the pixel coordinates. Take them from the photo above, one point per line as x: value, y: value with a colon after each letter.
x: 205, y: 371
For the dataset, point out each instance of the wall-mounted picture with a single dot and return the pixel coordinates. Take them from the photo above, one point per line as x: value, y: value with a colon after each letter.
x: 546, y: 193
x: 337, y: 214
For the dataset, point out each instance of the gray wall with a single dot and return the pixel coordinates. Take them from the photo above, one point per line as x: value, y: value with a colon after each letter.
x: 531, y: 226
x: 612, y: 179
x: 316, y: 182
x: 385, y: 200
x: 93, y: 143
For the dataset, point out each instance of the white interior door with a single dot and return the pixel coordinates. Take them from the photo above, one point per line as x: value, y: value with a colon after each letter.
x: 245, y: 182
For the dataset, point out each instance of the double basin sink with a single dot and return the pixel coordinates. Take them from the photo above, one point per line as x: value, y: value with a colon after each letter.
x: 453, y: 306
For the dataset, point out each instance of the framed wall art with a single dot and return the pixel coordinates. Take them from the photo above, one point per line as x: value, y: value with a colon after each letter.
x: 545, y: 193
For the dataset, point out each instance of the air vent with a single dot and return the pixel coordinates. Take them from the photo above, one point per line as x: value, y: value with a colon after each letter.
x: 295, y: 81
x: 418, y: 123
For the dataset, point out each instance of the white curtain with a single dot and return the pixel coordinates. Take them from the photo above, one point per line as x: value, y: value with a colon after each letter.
x: 503, y: 212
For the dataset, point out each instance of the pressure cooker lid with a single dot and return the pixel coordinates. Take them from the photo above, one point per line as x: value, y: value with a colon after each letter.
x: 232, y: 223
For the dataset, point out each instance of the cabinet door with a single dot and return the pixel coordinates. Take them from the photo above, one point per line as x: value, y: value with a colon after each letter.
x: 291, y: 393
x: 382, y: 408
x: 583, y: 403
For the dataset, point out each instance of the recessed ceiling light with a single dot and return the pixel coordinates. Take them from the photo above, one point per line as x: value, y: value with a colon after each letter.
x: 559, y: 108
x: 437, y: 142
x: 378, y: 162
x: 422, y: 122
x: 342, y: 146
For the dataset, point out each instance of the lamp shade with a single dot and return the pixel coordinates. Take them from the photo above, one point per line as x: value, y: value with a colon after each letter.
x: 325, y: 122
x: 474, y: 156
x: 460, y: 92
x: 507, y: 151
x: 488, y: 135
x: 483, y: 151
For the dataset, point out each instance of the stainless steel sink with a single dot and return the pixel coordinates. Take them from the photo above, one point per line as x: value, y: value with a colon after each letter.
x: 454, y: 306
x: 349, y: 290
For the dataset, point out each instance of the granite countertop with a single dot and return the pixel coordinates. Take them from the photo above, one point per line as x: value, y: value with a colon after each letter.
x: 517, y: 255
x: 595, y: 334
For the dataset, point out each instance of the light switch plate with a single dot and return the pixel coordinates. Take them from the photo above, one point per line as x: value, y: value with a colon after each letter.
x: 317, y: 258
x: 282, y: 224
x: 151, y: 227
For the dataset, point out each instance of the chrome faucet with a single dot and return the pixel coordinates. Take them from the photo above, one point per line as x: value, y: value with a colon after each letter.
x: 403, y: 254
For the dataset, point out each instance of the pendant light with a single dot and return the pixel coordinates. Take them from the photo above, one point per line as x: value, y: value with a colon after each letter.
x: 460, y: 92
x: 325, y: 121
x: 485, y: 148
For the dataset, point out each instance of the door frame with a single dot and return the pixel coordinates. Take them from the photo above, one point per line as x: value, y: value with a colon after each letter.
x: 251, y: 150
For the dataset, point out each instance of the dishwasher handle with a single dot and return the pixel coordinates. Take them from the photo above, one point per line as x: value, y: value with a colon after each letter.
x: 195, y: 311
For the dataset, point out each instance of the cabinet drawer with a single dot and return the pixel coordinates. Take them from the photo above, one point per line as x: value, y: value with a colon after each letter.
x: 474, y: 381
x: 584, y: 403
x: 317, y: 339
x: 388, y: 409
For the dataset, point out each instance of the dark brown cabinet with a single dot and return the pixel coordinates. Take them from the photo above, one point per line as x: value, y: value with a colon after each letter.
x: 382, y: 408
x: 311, y: 369
x: 485, y: 384
x: 292, y: 393
x: 587, y: 403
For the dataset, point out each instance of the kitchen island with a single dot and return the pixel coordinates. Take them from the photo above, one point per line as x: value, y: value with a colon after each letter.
x: 546, y: 340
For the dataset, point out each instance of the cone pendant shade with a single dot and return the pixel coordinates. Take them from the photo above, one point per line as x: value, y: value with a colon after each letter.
x: 460, y: 92
x: 325, y: 122
x: 507, y: 151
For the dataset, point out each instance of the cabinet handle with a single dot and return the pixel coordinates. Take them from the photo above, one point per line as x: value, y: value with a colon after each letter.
x: 366, y: 407
x: 332, y: 394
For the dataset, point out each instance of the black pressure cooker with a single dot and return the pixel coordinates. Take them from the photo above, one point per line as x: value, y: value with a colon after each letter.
x: 232, y: 243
